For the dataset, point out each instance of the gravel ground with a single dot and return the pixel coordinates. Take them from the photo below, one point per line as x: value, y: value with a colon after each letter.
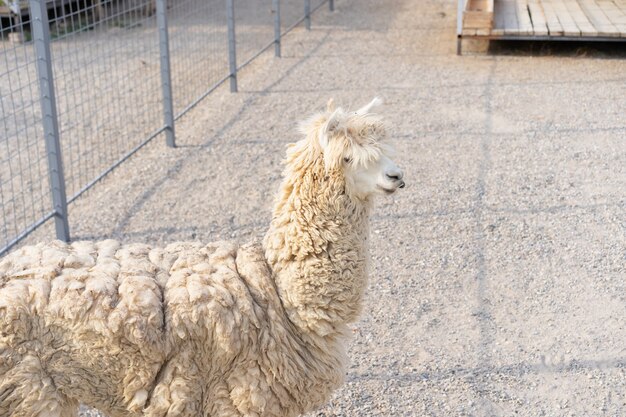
x: 498, y: 274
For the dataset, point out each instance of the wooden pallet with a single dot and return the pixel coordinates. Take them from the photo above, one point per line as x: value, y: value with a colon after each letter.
x: 5, y: 11
x: 575, y: 19
x: 478, y: 16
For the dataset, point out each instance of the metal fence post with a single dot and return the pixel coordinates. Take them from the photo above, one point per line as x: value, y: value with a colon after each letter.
x: 41, y: 40
x: 331, y: 5
x: 276, y: 7
x: 166, y: 77
x: 307, y: 14
x: 232, y: 56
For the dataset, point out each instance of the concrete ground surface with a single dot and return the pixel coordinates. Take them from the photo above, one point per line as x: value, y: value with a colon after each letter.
x: 498, y: 283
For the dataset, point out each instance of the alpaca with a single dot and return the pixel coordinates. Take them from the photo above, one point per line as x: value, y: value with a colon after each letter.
x: 204, y: 330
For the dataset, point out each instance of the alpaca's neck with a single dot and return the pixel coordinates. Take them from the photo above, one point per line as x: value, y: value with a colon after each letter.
x: 317, y: 249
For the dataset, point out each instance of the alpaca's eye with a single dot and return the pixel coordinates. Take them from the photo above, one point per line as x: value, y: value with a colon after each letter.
x: 347, y: 159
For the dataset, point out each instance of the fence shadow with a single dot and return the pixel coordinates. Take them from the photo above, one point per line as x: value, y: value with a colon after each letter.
x: 515, y: 370
x: 119, y: 229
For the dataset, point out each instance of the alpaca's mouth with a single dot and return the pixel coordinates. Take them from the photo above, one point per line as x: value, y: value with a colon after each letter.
x: 401, y: 184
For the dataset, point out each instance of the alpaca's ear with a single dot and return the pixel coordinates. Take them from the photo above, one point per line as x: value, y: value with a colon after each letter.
x: 369, y: 106
x: 331, y: 149
x: 329, y: 128
x: 330, y: 106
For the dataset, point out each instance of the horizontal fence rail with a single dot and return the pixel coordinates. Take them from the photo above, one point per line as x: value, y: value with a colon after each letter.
x: 84, y: 84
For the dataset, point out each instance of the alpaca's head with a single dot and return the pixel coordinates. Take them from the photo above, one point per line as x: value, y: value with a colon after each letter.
x: 352, y: 146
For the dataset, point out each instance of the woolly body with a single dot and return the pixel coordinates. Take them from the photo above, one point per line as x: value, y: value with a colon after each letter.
x: 185, y: 330
x: 213, y: 330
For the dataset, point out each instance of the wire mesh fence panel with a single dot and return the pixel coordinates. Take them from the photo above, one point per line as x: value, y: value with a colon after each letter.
x: 24, y: 188
x: 254, y: 22
x: 199, y: 48
x: 291, y: 12
x: 315, y: 4
x: 110, y: 73
x: 106, y: 66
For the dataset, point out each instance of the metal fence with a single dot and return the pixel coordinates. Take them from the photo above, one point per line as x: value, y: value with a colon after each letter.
x: 84, y: 84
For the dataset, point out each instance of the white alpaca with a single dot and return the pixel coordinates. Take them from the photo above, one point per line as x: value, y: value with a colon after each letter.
x: 204, y: 330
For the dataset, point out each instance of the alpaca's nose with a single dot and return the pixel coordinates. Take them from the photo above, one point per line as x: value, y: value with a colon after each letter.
x: 394, y: 174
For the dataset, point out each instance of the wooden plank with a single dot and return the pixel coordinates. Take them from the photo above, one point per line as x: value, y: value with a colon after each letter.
x: 581, y: 20
x: 509, y: 12
x: 552, y: 20
x: 567, y: 21
x: 478, y: 14
x: 612, y: 11
x: 5, y: 11
x: 621, y: 5
x: 498, y: 20
x: 523, y: 17
x: 615, y: 15
x: 601, y: 23
x: 471, y: 19
x: 572, y: 18
x: 540, y: 27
